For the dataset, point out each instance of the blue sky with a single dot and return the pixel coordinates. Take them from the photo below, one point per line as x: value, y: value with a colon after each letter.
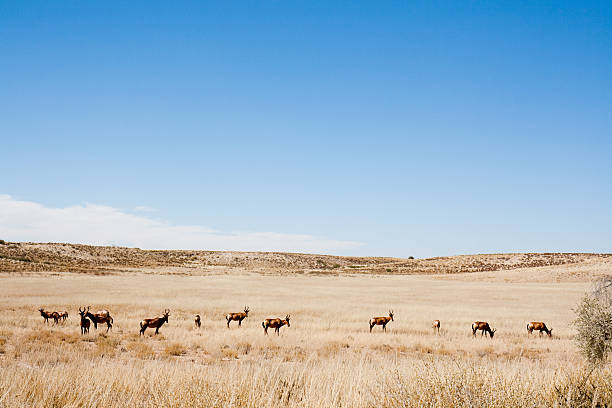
x: 353, y: 128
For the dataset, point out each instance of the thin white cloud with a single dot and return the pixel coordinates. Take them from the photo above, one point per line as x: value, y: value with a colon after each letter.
x: 103, y: 225
x: 143, y: 208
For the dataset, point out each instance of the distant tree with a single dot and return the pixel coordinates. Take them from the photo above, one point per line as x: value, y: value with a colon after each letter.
x: 594, y: 322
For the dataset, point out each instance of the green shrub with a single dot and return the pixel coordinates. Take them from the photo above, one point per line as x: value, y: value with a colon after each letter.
x: 594, y: 323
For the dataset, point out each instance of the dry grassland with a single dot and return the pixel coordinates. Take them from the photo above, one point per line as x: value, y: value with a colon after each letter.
x: 326, y: 358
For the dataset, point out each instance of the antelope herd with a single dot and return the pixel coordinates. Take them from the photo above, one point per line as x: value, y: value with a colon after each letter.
x: 103, y: 316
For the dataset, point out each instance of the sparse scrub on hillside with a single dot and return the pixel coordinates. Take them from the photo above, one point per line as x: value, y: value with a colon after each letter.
x: 53, y: 257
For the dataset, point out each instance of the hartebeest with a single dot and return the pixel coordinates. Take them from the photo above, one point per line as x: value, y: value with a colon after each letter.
x: 101, y: 316
x: 49, y: 315
x: 539, y: 326
x: 64, y: 315
x: 198, y: 323
x: 382, y: 321
x: 155, y: 322
x: 276, y: 324
x: 436, y: 326
x: 237, y: 316
x: 484, y: 327
x: 85, y: 323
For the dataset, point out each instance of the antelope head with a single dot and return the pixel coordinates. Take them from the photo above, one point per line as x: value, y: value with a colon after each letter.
x: 287, y: 319
x: 391, y: 314
x: 549, y: 332
x: 493, y: 332
x: 166, y: 314
x: 82, y: 311
x: 246, y: 310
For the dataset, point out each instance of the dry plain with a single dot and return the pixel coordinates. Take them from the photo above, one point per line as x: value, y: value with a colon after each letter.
x: 326, y: 358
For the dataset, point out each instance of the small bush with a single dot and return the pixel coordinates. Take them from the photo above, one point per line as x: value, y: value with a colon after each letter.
x: 594, y: 323
x: 244, y: 347
x: 2, y: 242
x: 141, y: 350
x: 229, y: 353
x: 175, y: 349
x: 106, y: 345
x: 584, y: 388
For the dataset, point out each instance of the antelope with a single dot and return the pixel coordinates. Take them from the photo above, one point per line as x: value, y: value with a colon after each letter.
x: 436, y: 326
x: 539, y: 326
x: 484, y: 327
x: 49, y: 315
x: 64, y: 315
x: 237, y: 316
x: 85, y: 323
x: 381, y: 321
x: 198, y: 323
x: 276, y: 324
x: 156, y: 322
x: 102, y: 316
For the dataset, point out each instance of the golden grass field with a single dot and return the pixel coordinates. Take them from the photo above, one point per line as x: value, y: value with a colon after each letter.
x: 327, y: 358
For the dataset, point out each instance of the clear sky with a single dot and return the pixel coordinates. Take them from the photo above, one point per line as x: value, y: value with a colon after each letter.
x: 401, y: 128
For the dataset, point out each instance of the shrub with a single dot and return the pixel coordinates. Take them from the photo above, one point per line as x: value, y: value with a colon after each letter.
x: 106, y: 345
x: 175, y: 349
x: 594, y: 322
x: 141, y: 350
x: 2, y: 242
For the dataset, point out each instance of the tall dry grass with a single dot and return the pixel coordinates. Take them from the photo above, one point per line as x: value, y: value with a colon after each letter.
x: 326, y: 358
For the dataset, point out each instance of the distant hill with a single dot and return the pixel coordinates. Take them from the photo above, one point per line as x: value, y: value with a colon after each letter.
x: 58, y: 257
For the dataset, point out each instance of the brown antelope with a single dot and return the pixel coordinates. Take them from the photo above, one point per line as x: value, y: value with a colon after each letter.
x: 436, y: 326
x: 382, y: 321
x: 64, y: 315
x: 237, y: 316
x: 49, y: 315
x: 155, y: 322
x: 540, y: 326
x: 484, y: 327
x: 101, y: 316
x: 276, y: 324
x: 85, y: 323
x: 198, y: 323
